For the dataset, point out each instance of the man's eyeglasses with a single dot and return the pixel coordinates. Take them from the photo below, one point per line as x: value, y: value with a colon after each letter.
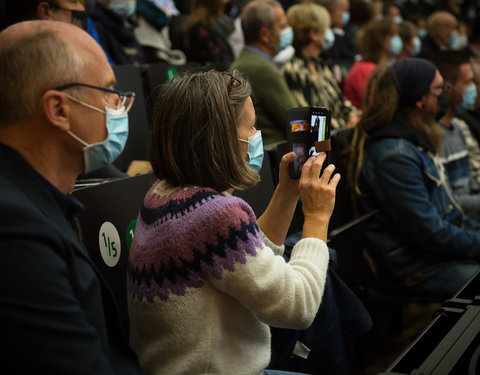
x: 122, y: 99
x: 438, y: 90
x: 234, y: 81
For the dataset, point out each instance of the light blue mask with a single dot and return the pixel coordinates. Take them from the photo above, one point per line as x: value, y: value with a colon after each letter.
x: 255, y: 151
x: 329, y: 40
x: 345, y: 18
x: 398, y: 19
x: 286, y: 38
x: 123, y: 8
x: 417, y: 46
x: 422, y: 33
x: 454, y: 42
x: 396, y: 44
x: 469, y: 97
x: 98, y: 155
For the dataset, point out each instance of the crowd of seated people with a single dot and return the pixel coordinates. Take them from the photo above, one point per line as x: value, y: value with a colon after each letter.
x: 407, y: 85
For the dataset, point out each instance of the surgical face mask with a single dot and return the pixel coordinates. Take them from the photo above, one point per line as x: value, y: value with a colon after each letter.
x: 398, y: 19
x: 345, y: 18
x: 417, y: 46
x: 329, y: 40
x: 469, y: 97
x: 123, y: 8
x: 422, y: 33
x: 454, y: 42
x: 396, y: 44
x: 100, y: 154
x: 254, y: 151
x: 286, y: 38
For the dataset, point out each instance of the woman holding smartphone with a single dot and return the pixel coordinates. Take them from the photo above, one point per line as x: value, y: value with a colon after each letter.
x: 205, y: 277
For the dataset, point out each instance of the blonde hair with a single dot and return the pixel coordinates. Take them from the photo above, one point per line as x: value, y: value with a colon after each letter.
x: 305, y: 17
x: 30, y: 67
x: 194, y: 138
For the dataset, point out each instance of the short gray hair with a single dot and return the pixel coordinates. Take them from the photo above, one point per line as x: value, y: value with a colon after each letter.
x: 255, y: 15
x: 30, y: 67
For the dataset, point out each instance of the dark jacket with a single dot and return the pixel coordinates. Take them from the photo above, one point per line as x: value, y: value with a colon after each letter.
x: 420, y: 227
x: 116, y: 36
x: 57, y: 314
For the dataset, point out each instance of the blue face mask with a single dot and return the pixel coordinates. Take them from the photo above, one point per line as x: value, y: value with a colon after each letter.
x: 396, y: 44
x: 123, y: 8
x: 417, y: 46
x: 398, y: 19
x: 286, y: 39
x: 454, y: 42
x: 469, y: 97
x: 255, y: 151
x: 345, y: 18
x: 329, y: 40
x: 98, y: 155
x: 422, y: 33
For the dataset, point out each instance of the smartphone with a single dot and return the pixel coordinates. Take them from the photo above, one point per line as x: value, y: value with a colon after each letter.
x: 308, y: 133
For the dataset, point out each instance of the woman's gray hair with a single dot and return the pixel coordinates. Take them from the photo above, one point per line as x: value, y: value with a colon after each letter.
x: 194, y: 139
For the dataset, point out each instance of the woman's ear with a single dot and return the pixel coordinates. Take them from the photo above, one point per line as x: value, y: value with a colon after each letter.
x: 56, y: 109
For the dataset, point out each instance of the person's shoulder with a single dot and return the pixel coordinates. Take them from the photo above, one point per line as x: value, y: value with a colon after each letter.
x: 189, y: 201
x: 252, y: 63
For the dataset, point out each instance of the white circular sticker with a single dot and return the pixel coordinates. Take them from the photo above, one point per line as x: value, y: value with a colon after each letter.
x: 109, y: 243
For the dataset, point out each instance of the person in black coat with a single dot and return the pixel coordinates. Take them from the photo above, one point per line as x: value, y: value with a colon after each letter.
x: 58, y: 315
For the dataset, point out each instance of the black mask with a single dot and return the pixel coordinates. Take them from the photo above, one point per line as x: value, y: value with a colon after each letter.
x: 79, y: 18
x: 442, y: 105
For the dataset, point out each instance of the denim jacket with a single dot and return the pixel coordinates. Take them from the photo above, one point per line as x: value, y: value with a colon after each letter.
x: 420, y: 227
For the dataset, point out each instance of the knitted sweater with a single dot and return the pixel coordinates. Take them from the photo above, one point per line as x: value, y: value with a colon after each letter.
x: 204, y: 284
x: 455, y: 158
x: 271, y: 94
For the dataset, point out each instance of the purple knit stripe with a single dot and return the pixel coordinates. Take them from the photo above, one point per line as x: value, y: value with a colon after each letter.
x: 215, y: 269
x: 159, y: 245
x: 187, y: 222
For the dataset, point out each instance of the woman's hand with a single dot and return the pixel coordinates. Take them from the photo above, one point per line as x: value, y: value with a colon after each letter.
x: 318, y: 196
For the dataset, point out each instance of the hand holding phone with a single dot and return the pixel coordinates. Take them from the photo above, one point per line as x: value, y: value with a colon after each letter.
x: 308, y: 133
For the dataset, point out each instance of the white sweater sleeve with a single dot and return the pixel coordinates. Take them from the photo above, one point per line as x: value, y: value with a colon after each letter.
x: 281, y: 294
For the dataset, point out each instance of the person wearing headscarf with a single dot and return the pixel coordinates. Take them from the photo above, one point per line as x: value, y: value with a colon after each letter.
x: 421, y: 240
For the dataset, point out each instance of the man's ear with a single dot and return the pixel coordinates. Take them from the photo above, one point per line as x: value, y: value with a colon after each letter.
x: 264, y: 34
x: 43, y: 10
x: 56, y: 109
x: 420, y: 104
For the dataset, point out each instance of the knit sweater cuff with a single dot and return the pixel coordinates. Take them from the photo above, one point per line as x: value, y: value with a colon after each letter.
x: 277, y: 250
x: 312, y: 248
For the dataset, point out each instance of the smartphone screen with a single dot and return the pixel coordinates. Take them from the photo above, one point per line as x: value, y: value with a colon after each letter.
x: 318, y: 126
x: 305, y: 126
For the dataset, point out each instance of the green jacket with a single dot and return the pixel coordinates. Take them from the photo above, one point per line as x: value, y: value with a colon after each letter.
x: 271, y: 95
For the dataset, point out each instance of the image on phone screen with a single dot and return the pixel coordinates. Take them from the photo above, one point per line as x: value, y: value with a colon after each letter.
x: 318, y: 125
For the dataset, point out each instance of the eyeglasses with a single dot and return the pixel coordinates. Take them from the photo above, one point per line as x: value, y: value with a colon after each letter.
x: 122, y: 100
x: 438, y: 90
x: 233, y: 80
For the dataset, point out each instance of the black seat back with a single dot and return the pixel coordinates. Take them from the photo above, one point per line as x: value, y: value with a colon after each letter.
x: 107, y: 227
x: 129, y: 78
